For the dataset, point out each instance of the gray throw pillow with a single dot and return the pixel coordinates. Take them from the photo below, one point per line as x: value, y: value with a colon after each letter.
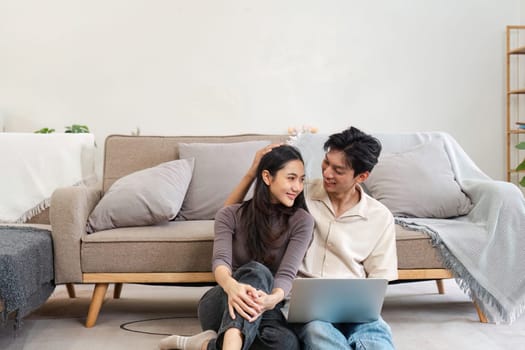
x: 418, y: 183
x: 218, y: 169
x: 145, y: 197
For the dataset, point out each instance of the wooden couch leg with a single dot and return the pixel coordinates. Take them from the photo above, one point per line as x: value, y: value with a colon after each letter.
x: 440, y: 286
x: 481, y: 315
x: 96, y: 303
x: 117, y: 291
x: 71, y: 290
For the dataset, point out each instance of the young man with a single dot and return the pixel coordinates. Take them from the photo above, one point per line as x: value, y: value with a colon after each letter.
x: 354, y: 235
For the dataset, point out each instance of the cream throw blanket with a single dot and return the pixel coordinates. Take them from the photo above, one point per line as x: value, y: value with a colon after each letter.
x: 484, y: 249
x: 34, y: 165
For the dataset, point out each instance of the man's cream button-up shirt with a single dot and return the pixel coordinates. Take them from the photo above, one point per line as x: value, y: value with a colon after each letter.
x: 361, y: 243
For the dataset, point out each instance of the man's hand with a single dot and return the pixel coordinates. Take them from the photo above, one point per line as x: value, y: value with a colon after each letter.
x: 252, y: 171
x: 239, y: 192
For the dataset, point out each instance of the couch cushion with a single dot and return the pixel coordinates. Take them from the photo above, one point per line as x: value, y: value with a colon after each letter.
x: 186, y: 246
x: 172, y: 231
x: 415, y: 250
x: 145, y: 197
x: 177, y: 246
x: 218, y: 169
x: 418, y: 183
x: 134, y: 257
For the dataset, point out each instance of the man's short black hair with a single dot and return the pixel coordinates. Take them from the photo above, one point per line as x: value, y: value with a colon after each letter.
x: 362, y: 150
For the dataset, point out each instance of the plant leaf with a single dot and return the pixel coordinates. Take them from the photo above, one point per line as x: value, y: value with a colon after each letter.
x: 45, y: 131
x: 521, y: 167
x: 77, y: 129
x: 521, y: 145
x: 522, y: 182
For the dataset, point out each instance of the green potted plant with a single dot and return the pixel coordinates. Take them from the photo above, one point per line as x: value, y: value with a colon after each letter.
x: 76, y: 129
x: 521, y: 167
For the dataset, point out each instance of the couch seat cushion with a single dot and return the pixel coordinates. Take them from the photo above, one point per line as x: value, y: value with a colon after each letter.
x: 172, y: 231
x: 177, y: 246
x: 186, y: 246
x: 415, y: 250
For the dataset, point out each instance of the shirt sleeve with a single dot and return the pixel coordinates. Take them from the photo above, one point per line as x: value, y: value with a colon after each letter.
x: 382, y: 262
x: 222, y: 244
x: 301, y: 230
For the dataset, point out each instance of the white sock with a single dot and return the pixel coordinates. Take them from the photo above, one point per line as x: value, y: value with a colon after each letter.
x: 187, y: 343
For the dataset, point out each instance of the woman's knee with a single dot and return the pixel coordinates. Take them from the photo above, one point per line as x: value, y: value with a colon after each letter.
x: 254, y: 267
x: 255, y: 274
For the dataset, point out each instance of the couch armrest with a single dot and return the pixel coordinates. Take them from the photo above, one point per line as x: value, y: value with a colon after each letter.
x: 69, y: 211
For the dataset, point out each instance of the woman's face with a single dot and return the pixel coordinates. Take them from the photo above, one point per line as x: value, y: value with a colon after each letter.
x: 286, y: 184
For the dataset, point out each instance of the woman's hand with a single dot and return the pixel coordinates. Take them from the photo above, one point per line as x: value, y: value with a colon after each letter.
x: 242, y: 298
x: 267, y: 301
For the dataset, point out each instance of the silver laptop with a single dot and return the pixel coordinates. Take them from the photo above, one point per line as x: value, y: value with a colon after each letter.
x: 336, y: 300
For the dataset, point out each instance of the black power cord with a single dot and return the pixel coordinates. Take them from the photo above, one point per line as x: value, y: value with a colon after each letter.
x: 124, y: 325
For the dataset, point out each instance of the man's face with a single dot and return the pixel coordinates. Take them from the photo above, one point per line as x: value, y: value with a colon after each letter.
x: 338, y: 176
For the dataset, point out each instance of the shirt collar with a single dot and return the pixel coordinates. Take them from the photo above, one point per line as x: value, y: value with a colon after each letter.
x: 318, y: 193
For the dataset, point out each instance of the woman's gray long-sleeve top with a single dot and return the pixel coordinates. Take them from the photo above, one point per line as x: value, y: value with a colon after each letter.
x: 230, y: 247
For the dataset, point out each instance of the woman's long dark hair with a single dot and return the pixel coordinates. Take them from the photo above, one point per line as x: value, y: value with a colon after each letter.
x: 264, y: 221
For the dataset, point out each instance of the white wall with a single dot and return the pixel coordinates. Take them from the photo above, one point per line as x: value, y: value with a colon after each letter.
x: 225, y: 67
x: 522, y: 11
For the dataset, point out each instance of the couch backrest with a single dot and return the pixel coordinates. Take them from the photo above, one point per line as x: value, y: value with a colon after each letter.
x: 311, y: 146
x: 124, y: 154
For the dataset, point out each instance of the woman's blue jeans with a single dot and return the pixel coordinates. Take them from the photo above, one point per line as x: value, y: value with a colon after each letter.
x: 359, y: 336
x: 269, y: 331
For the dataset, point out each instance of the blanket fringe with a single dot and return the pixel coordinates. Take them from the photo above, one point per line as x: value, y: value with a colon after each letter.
x: 37, y: 209
x: 40, y: 207
x: 490, y: 306
x: 43, y: 205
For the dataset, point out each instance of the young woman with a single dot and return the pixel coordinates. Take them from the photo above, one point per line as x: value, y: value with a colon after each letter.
x: 257, y: 251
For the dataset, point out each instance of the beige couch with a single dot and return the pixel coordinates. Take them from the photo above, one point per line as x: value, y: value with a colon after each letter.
x: 175, y: 252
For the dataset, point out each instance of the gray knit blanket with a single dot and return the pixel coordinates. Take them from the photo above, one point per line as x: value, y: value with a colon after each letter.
x: 486, y: 248
x: 26, y: 270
